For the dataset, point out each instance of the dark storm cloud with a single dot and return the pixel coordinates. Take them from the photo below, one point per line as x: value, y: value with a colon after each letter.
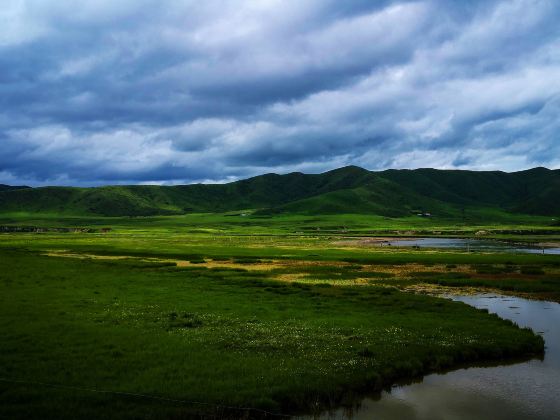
x: 101, y: 92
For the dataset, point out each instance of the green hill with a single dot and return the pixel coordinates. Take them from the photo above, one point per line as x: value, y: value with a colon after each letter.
x: 534, y: 191
x: 4, y: 187
x: 376, y: 196
x: 346, y: 190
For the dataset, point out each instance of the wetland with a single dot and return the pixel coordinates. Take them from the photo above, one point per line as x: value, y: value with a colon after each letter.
x: 183, y: 317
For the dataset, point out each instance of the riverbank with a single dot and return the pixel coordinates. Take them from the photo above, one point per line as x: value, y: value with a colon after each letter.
x: 218, y: 336
x: 524, y: 390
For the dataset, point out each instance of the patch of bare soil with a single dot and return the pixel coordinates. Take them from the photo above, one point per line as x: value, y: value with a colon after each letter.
x: 439, y: 290
x: 85, y: 256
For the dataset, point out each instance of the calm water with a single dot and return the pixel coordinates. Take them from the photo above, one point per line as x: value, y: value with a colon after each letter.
x: 472, y: 244
x: 528, y: 390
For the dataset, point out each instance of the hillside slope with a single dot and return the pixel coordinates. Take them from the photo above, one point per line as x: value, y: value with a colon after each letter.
x: 345, y: 190
x: 4, y: 187
x: 535, y: 191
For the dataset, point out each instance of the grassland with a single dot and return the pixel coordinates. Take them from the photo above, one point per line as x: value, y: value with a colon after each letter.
x: 208, y: 314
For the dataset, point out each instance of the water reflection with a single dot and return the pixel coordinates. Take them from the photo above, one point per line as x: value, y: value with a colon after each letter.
x: 529, y: 390
x: 471, y: 244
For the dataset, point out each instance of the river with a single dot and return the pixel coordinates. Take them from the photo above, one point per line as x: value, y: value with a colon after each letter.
x: 471, y: 244
x: 527, y: 390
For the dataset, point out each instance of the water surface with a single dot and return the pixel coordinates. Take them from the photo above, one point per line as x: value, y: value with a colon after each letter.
x: 528, y: 390
x: 472, y: 244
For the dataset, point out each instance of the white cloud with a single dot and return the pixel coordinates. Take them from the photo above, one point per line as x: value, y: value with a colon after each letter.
x: 145, y: 92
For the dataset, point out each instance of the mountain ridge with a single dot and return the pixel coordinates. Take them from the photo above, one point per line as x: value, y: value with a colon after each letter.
x: 350, y: 189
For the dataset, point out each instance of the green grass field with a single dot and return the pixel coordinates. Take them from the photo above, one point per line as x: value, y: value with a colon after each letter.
x: 208, y: 315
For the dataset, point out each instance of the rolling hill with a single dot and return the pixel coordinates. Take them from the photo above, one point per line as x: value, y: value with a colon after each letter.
x: 351, y: 189
x: 4, y: 187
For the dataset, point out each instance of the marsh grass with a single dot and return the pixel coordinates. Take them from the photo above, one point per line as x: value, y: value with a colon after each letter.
x: 532, y: 270
x: 221, y: 336
x: 266, y: 312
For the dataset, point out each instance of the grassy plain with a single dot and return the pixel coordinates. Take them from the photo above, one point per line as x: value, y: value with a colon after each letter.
x: 204, y: 315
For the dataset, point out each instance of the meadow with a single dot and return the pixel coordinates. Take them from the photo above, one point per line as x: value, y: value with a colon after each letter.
x: 234, y: 315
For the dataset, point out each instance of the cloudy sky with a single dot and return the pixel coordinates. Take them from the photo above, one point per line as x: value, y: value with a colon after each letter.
x: 151, y: 91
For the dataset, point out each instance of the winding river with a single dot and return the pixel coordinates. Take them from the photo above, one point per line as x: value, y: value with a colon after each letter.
x: 527, y: 390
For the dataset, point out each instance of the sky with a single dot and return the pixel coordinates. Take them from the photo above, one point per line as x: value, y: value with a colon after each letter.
x: 102, y: 92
